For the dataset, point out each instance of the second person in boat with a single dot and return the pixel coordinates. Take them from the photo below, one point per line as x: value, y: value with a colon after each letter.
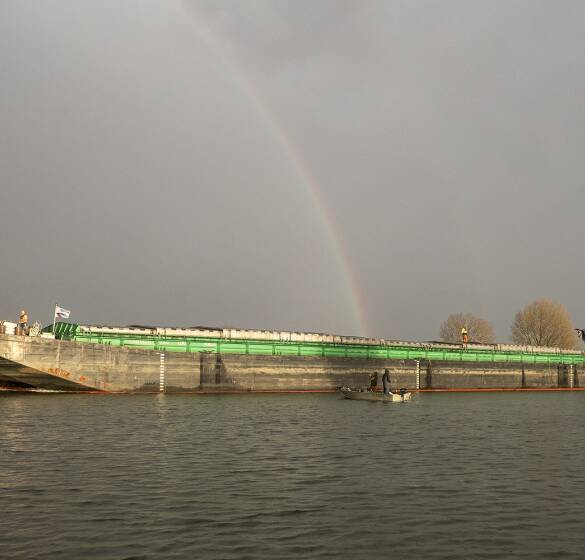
x: 373, y: 382
x: 386, y: 382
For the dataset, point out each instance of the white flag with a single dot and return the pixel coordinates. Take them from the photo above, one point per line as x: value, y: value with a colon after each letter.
x: 61, y: 313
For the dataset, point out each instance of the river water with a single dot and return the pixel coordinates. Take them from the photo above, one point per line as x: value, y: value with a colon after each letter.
x: 453, y: 476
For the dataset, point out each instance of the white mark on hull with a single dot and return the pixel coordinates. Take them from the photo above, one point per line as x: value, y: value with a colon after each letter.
x: 161, y: 379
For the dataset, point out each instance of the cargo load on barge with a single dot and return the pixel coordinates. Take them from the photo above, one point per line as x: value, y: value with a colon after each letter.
x: 201, y: 359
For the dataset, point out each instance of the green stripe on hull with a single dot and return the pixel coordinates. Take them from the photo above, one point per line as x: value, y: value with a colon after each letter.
x: 274, y: 348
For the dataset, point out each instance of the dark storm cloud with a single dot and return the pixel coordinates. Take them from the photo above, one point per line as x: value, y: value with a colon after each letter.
x: 141, y: 183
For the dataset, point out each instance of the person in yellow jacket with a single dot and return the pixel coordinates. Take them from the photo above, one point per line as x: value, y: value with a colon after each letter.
x: 464, y: 335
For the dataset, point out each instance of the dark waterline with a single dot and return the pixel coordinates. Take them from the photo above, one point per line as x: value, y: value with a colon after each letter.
x: 453, y: 476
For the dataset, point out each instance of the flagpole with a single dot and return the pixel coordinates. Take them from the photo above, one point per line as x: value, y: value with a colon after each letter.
x: 54, y: 319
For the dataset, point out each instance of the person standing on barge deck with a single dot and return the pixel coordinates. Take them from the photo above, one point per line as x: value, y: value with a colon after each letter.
x: 23, y: 321
x: 464, y: 337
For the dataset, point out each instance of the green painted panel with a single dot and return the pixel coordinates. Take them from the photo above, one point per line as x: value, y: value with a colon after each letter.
x: 512, y: 358
x: 541, y: 359
x: 310, y: 351
x: 148, y: 343
x: 171, y: 348
x: 482, y: 357
x: 334, y: 351
x: 292, y: 350
x: 233, y: 347
x: 258, y: 348
x: 411, y: 353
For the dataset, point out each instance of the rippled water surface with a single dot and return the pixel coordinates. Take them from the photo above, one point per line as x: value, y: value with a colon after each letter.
x: 292, y: 476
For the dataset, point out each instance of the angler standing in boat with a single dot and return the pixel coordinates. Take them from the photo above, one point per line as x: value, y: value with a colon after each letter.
x: 386, y: 381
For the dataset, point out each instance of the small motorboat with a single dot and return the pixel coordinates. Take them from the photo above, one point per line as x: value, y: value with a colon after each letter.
x: 364, y: 395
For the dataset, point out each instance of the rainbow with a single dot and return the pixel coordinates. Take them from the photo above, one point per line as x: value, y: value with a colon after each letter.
x: 220, y: 46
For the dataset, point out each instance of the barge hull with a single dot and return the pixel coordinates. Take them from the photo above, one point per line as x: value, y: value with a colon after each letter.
x: 64, y: 365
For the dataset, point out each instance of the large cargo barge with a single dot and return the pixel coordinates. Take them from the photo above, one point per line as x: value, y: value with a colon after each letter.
x: 200, y: 359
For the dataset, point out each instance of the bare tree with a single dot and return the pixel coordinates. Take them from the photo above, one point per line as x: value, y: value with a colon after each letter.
x: 478, y: 330
x: 544, y: 323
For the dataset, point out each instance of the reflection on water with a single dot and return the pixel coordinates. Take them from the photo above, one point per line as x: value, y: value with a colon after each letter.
x: 15, y: 428
x: 15, y: 437
x: 291, y: 476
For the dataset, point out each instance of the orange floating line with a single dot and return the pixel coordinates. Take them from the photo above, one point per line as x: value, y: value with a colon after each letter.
x: 500, y: 390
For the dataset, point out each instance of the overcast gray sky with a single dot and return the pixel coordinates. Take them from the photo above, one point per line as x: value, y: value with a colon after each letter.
x: 161, y: 161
